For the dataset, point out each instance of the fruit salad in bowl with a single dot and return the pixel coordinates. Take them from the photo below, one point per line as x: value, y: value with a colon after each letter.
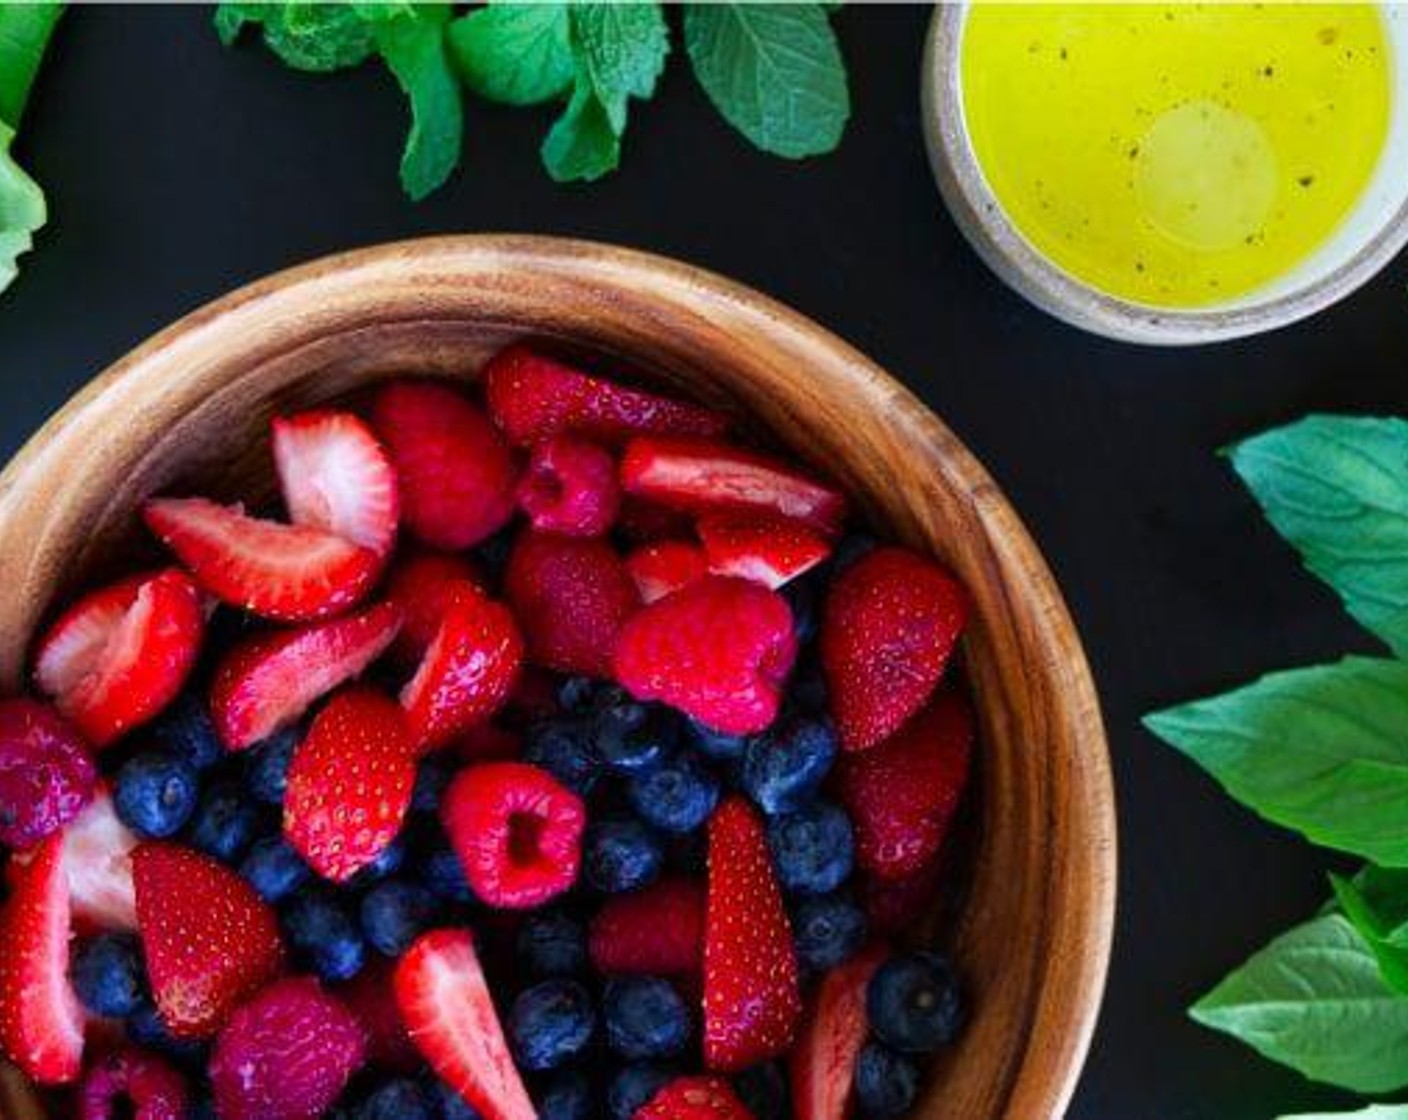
x: 545, y: 749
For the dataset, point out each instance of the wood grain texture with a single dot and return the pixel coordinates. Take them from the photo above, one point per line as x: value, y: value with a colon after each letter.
x: 188, y: 411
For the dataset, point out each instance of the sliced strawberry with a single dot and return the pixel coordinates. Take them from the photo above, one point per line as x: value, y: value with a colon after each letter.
x: 288, y: 573
x: 719, y: 650
x: 824, y: 1059
x: 41, y: 1022
x: 664, y: 567
x: 570, y: 595
x: 210, y: 942
x: 370, y: 996
x: 468, y: 671
x: 902, y: 795
x: 889, y: 628
x: 445, y: 1003
x: 767, y: 550
x: 335, y: 476
x: 349, y: 784
x: 517, y: 832
x: 119, y: 655
x: 533, y: 397
x: 286, y: 1054
x: 419, y: 583
x: 695, y: 1098
x: 46, y: 772
x: 751, y: 997
x: 132, y: 1082
x: 657, y: 931
x: 570, y: 487
x: 704, y: 477
x: 97, y: 859
x: 267, y: 682
x: 456, y: 473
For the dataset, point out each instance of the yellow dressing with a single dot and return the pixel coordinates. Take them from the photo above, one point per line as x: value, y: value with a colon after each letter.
x: 1176, y: 155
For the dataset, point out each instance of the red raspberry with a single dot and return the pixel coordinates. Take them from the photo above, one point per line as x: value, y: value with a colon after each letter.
x: 142, y: 1081
x: 46, y: 773
x: 517, y: 832
x: 570, y: 487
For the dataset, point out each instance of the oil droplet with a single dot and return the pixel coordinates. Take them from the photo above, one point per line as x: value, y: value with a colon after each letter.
x: 1206, y: 175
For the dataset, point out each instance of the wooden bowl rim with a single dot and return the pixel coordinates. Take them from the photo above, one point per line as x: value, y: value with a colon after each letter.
x: 1046, y: 1069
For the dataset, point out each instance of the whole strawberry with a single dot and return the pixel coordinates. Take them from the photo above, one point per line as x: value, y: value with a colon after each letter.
x: 890, y: 626
x: 695, y: 1098
x: 656, y: 931
x: 46, y: 772
x: 286, y: 1054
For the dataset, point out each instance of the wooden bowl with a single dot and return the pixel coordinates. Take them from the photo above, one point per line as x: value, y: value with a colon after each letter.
x: 191, y: 408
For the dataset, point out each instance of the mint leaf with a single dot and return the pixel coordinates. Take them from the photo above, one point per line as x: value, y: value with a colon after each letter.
x: 621, y: 51
x: 305, y: 34
x: 582, y: 145
x: 1313, y: 999
x: 25, y: 31
x: 414, y: 49
x: 1337, y: 489
x: 774, y: 72
x: 1373, y: 1112
x: 1321, y: 750
x: 22, y: 210
x: 515, y: 54
x: 1376, y: 903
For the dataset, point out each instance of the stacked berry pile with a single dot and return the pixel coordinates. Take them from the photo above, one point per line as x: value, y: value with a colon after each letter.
x: 551, y: 756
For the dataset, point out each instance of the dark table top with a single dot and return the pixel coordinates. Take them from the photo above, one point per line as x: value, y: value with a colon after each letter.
x: 176, y: 170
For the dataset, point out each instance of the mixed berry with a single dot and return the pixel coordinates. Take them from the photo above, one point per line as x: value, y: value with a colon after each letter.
x: 546, y: 755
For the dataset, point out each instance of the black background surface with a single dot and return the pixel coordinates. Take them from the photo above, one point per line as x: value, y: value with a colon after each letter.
x: 176, y: 170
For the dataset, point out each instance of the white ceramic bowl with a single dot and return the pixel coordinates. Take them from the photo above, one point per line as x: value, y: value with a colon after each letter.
x: 1373, y: 233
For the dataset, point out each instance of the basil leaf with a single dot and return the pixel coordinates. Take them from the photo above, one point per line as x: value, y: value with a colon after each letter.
x: 1313, y: 999
x: 1376, y: 903
x: 1322, y: 750
x: 582, y: 145
x: 304, y: 34
x: 25, y: 31
x: 621, y: 50
x: 774, y: 72
x: 414, y: 50
x: 22, y: 210
x: 515, y: 54
x: 1373, y: 1112
x: 1337, y: 488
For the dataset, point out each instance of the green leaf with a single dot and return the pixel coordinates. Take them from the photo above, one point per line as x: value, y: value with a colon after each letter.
x: 515, y: 54
x: 1337, y: 489
x: 775, y: 72
x: 1376, y: 903
x: 304, y: 34
x: 25, y: 31
x: 22, y: 210
x: 1314, y: 1000
x: 621, y: 51
x: 414, y: 49
x: 582, y: 145
x: 1322, y: 750
x: 1373, y: 1112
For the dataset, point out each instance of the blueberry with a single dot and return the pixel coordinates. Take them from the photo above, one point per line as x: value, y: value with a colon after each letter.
x: 621, y: 854
x: 109, y: 975
x: 449, y: 1104
x: 551, y: 1023
x: 717, y: 745
x: 268, y: 766
x: 783, y: 769
x: 645, y: 1018
x: 186, y: 732
x: 629, y: 736
x: 763, y: 1088
x: 914, y: 1002
x: 493, y: 554
x: 274, y: 869
x: 388, y: 861
x: 552, y: 943
x: 813, y: 849
x: 566, y: 1095
x: 155, y: 794
x: 633, y: 1086
x: 431, y: 779
x: 442, y: 872
x: 564, y: 749
x: 324, y: 934
x: 886, y: 1082
x: 145, y: 1028
x: 827, y: 930
x: 678, y: 795
x: 401, y: 1099
x: 225, y: 822
x: 395, y: 913
x: 576, y: 694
